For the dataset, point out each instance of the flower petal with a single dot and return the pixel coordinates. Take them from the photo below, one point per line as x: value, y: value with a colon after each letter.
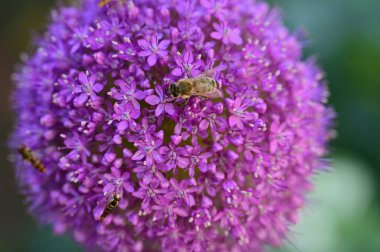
x: 138, y: 155
x: 164, y: 44
x: 203, y: 125
x: 144, y: 53
x: 152, y: 59
x: 182, y: 162
x: 188, y: 57
x: 157, y: 157
x: 175, y: 184
x: 98, y: 211
x: 80, y: 100
x: 143, y: 43
x: 152, y: 100
x: 169, y: 108
x: 180, y: 212
x: 139, y: 95
x: 82, y: 77
x: 233, y: 121
x: 159, y: 110
x: 97, y: 87
x: 121, y: 126
x: 203, y: 167
x: 177, y: 72
x: 216, y: 35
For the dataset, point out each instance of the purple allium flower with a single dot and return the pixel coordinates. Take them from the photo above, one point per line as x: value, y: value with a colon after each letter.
x: 153, y: 49
x: 127, y: 92
x: 228, y: 174
x: 186, y: 64
x: 126, y: 115
x: 227, y: 34
x: 160, y: 100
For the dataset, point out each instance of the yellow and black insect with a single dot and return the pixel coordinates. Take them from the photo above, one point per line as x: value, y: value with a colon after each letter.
x: 103, y: 2
x: 203, y: 85
x: 110, y: 205
x: 28, y: 155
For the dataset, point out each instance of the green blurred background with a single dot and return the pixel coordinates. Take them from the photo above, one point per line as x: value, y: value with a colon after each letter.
x: 344, y: 210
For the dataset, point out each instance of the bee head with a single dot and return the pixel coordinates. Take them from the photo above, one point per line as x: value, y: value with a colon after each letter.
x: 174, y: 90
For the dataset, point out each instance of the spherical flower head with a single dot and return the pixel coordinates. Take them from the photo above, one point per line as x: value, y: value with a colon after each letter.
x: 130, y: 167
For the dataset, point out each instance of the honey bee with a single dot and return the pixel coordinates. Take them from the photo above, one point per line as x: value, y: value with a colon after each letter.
x: 104, y: 2
x: 110, y: 205
x: 203, y: 85
x: 28, y: 155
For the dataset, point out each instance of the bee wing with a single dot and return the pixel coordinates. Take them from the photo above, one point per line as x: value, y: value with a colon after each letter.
x: 213, y: 93
x: 208, y: 73
x: 216, y: 93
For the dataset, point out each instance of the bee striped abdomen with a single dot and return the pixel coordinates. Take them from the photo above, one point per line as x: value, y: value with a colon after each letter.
x: 28, y: 155
x: 110, y: 206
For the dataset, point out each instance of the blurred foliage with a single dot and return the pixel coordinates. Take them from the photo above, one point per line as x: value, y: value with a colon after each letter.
x: 343, y: 215
x: 339, y: 216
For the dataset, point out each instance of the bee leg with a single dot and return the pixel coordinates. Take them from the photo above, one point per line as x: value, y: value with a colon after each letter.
x: 180, y: 102
x: 186, y: 101
x: 188, y: 73
x: 171, y: 99
x: 183, y: 102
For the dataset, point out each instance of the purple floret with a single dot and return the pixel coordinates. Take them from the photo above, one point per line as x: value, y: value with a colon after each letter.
x: 229, y: 174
